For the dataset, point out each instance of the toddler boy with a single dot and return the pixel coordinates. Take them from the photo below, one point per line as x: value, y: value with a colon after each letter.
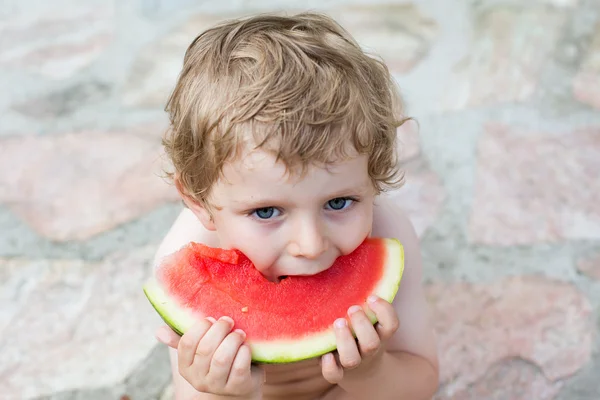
x: 283, y: 143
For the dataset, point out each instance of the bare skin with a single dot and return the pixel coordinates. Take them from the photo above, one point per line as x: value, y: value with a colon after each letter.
x: 394, y: 359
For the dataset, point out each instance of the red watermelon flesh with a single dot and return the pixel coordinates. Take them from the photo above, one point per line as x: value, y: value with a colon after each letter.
x: 284, y: 321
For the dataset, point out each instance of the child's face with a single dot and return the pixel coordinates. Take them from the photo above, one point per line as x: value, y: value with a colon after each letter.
x: 288, y: 225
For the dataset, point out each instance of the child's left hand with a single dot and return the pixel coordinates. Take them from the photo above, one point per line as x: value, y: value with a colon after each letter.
x: 356, y: 358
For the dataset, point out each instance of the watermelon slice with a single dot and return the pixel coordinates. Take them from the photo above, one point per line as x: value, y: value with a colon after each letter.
x: 284, y: 321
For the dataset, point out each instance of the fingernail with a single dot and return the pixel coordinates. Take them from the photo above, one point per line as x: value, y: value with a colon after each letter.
x: 340, y: 323
x: 371, y: 299
x: 226, y: 319
x: 241, y: 333
x: 354, y: 309
x: 211, y: 319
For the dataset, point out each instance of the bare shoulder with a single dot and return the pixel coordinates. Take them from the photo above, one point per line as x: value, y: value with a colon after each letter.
x: 185, y: 229
x: 389, y: 220
x: 415, y: 334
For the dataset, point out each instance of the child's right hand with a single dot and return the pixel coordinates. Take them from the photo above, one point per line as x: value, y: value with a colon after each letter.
x: 213, y: 358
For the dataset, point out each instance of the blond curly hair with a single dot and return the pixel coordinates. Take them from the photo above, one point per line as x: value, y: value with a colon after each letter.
x: 297, y: 86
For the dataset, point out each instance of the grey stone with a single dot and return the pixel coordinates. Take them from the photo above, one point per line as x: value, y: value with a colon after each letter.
x: 66, y: 101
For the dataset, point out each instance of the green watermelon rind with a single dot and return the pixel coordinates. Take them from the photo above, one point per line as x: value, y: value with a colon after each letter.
x: 284, y: 351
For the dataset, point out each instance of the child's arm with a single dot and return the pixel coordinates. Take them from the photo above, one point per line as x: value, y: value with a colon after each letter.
x: 408, y: 367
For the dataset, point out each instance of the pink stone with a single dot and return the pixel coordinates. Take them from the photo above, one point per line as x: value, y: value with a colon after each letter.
x: 586, y: 86
x: 76, y: 185
x: 82, y: 325
x: 590, y: 267
x: 57, y: 42
x: 399, y: 33
x: 510, y: 46
x: 544, y: 322
x: 532, y: 188
x: 510, y: 379
x: 421, y: 197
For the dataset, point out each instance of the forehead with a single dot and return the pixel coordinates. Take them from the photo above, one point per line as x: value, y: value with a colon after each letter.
x: 259, y: 170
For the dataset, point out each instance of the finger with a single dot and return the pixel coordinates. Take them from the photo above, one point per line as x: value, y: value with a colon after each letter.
x: 330, y: 369
x: 346, y: 345
x: 241, y: 373
x: 222, y: 359
x: 215, y: 335
x: 167, y: 336
x: 387, y: 318
x: 186, y: 349
x: 368, y: 338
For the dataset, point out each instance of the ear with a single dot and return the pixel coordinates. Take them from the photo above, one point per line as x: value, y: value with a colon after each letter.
x: 199, y: 209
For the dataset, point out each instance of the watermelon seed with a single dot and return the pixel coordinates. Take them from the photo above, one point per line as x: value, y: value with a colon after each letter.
x: 244, y: 309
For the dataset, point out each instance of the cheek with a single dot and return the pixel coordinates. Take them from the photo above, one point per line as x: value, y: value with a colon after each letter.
x: 355, y: 230
x: 257, y: 242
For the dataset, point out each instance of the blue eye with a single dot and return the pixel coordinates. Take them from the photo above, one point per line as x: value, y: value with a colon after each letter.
x: 266, y: 212
x: 339, y: 203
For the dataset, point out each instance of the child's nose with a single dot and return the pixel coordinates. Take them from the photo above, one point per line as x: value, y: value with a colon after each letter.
x: 308, y: 240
